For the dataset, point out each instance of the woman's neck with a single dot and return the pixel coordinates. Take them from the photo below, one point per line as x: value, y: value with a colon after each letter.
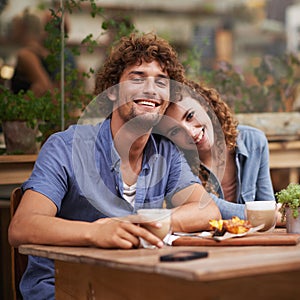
x: 206, y: 158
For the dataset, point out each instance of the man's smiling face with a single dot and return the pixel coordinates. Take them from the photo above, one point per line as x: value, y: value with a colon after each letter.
x: 143, y: 93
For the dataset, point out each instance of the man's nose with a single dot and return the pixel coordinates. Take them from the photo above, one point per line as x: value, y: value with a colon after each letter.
x: 149, y: 86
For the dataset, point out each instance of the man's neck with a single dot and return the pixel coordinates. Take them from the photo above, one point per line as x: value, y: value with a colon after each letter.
x: 130, y: 144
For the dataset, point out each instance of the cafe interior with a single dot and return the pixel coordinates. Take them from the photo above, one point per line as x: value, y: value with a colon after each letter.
x: 253, y: 44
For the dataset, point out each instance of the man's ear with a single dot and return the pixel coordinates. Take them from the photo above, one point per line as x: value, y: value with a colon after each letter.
x: 112, y: 93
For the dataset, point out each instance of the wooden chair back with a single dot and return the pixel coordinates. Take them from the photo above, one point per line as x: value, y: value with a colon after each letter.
x: 18, y: 260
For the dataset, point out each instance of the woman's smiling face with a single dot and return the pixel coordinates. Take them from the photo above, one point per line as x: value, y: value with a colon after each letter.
x: 187, y: 124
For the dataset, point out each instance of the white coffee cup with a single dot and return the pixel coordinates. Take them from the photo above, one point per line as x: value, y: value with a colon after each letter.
x: 262, y: 212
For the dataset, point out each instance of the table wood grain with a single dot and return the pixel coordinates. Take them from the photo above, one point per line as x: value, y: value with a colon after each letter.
x: 236, y: 272
x: 223, y: 262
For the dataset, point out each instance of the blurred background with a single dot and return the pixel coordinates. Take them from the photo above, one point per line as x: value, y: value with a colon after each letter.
x: 247, y: 49
x: 233, y: 36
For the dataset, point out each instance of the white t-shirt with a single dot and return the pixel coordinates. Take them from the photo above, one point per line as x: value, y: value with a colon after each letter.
x: 129, y: 193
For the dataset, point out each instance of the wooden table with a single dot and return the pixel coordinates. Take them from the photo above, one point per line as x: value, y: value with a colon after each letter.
x: 244, y: 272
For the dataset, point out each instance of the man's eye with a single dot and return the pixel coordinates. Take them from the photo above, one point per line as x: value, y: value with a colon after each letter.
x: 190, y: 115
x: 162, y: 82
x: 137, y: 79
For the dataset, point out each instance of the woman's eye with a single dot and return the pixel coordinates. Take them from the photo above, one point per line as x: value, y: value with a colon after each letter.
x: 190, y: 115
x: 174, y: 132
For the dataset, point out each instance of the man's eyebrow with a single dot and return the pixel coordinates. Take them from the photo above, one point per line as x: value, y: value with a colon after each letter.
x: 141, y: 73
x: 163, y: 76
x: 136, y: 73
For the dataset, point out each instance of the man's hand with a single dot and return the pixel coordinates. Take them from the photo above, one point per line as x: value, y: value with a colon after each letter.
x: 122, y: 233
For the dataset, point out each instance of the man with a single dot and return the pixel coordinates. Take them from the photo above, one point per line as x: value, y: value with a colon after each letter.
x: 89, y: 178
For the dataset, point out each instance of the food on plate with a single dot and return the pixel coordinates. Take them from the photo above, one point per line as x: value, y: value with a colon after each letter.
x: 234, y: 225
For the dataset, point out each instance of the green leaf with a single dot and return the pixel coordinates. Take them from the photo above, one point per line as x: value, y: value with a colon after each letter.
x: 290, y: 197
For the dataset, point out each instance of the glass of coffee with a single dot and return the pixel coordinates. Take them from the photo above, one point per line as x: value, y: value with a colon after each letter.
x: 161, y: 215
x: 262, y: 212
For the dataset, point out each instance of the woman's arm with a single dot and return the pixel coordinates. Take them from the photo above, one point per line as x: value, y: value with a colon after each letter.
x: 229, y: 209
x: 264, y: 184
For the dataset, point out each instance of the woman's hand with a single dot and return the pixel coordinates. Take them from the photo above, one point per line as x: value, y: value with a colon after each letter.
x: 279, y: 222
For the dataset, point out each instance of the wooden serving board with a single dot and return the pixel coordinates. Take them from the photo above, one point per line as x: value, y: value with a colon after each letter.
x: 255, y: 239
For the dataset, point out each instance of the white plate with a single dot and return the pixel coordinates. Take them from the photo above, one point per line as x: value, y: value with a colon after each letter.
x: 229, y: 235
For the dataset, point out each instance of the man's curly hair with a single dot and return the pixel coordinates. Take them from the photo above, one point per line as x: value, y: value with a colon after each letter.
x: 132, y: 50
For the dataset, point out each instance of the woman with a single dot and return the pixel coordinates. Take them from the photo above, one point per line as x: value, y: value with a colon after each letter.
x: 32, y: 72
x: 233, y: 160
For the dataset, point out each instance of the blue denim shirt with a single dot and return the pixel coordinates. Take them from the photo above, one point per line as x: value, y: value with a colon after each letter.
x: 253, y: 173
x: 79, y: 170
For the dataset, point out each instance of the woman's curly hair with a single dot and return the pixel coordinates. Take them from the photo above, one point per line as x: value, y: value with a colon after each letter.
x: 222, y: 111
x: 134, y: 50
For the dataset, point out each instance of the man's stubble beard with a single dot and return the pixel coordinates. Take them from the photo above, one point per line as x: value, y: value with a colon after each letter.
x: 144, y: 122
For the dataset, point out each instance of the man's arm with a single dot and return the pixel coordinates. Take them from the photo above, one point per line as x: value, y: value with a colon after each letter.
x: 193, y: 209
x: 35, y: 222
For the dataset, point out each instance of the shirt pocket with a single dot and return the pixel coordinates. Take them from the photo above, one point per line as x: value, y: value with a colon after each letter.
x: 154, y: 202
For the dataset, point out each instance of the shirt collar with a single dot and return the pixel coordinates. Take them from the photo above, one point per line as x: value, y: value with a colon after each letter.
x: 241, y: 148
x: 150, y: 151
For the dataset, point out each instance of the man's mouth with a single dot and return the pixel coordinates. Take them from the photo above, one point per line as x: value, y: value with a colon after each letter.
x: 148, y: 103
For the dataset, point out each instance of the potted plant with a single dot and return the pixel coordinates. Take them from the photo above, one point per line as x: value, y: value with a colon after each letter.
x: 44, y: 115
x: 26, y: 120
x: 290, y: 209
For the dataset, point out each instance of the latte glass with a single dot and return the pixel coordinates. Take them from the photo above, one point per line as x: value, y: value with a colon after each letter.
x: 161, y: 215
x: 262, y: 212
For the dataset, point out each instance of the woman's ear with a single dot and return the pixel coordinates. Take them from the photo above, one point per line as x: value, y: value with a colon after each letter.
x: 112, y: 93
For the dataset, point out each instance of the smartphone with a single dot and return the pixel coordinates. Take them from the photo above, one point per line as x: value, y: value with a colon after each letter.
x: 183, y: 256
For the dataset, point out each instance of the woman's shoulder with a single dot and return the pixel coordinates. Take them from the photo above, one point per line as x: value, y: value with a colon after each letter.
x: 251, y: 135
x: 26, y: 58
x: 25, y: 52
x: 246, y: 129
x: 33, y: 51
